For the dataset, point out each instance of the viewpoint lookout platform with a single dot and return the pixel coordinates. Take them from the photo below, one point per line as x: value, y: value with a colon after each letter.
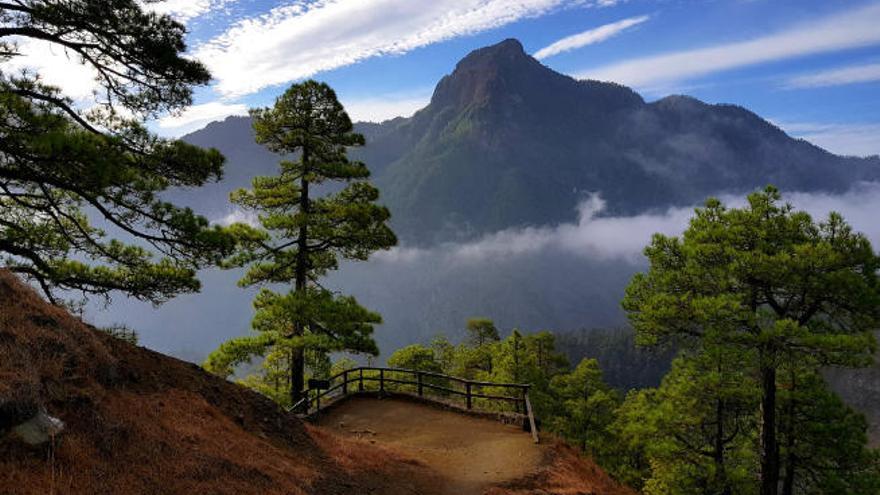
x: 505, y: 402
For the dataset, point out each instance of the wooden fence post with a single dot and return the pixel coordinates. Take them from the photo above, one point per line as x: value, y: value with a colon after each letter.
x: 468, y: 385
x: 361, y: 385
x: 345, y: 382
x: 420, y: 383
x: 382, y: 380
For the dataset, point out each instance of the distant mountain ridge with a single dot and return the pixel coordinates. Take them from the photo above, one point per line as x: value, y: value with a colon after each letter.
x: 507, y: 142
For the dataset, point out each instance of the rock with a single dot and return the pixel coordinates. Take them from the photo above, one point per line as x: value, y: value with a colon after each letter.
x: 38, y: 430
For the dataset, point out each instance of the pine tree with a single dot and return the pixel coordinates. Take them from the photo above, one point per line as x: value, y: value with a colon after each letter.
x: 696, y: 429
x: 59, y: 161
x: 766, y: 279
x: 305, y: 235
x: 481, y: 331
x: 822, y: 441
x: 586, y: 406
x: 414, y: 357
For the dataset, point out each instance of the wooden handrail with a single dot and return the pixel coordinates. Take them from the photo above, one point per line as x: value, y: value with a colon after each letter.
x: 315, y: 395
x: 356, y: 375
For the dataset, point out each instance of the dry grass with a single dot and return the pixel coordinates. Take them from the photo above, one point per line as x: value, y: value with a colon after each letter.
x: 566, y: 473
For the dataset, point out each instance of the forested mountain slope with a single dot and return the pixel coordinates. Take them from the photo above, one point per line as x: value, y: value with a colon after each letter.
x: 506, y: 141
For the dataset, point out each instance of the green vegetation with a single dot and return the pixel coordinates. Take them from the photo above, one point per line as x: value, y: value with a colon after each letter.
x: 575, y: 403
x: 121, y: 332
x: 302, y: 238
x: 757, y: 300
x: 625, y: 365
x: 760, y: 298
x: 62, y: 164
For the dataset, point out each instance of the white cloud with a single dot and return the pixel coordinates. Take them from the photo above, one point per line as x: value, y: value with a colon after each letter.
x: 296, y: 41
x: 844, y: 139
x: 592, y: 36
x: 381, y: 108
x: 63, y: 69
x: 850, y: 29
x: 55, y: 66
x: 197, y: 116
x: 837, y: 77
x: 238, y: 215
x: 185, y: 10
x: 182, y: 10
x: 624, y: 238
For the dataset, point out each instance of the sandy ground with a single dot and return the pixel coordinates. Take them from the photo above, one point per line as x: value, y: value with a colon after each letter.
x: 470, y: 454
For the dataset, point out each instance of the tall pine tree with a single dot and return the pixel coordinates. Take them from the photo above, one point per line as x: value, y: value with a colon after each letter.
x: 306, y: 234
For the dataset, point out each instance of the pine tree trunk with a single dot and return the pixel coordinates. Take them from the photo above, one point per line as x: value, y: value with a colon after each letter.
x: 790, y: 460
x: 769, y: 448
x: 297, y: 367
x: 720, y: 470
x: 788, y: 482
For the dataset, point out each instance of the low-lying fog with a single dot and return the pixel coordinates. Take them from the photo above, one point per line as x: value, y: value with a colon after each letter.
x: 558, y: 277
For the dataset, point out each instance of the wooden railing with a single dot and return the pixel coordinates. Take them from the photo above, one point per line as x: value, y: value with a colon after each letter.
x: 476, y: 395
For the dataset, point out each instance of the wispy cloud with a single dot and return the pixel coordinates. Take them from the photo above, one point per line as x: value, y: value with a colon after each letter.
x: 850, y: 29
x: 196, y: 116
x: 185, y: 10
x: 589, y: 37
x: 301, y: 39
x: 623, y: 238
x: 837, y: 77
x: 860, y: 139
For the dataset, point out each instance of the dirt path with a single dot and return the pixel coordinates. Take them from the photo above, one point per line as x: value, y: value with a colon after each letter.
x: 470, y: 454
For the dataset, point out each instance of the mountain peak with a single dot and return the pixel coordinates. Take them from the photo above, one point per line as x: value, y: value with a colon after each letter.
x: 506, y: 52
x: 503, y: 77
x: 487, y: 73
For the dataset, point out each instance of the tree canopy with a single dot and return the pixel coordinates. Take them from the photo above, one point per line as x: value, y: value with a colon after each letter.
x: 772, y: 286
x: 64, y: 162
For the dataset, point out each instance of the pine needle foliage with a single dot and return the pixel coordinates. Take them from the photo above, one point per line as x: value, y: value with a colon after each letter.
x: 304, y: 235
x: 63, y: 168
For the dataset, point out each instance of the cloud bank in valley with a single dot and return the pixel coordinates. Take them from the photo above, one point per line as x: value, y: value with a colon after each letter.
x: 561, y: 277
x: 623, y: 238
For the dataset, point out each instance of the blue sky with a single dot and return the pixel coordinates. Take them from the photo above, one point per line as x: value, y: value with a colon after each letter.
x: 811, y: 66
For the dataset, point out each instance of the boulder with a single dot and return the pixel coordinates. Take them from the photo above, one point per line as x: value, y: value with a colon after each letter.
x: 38, y: 430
